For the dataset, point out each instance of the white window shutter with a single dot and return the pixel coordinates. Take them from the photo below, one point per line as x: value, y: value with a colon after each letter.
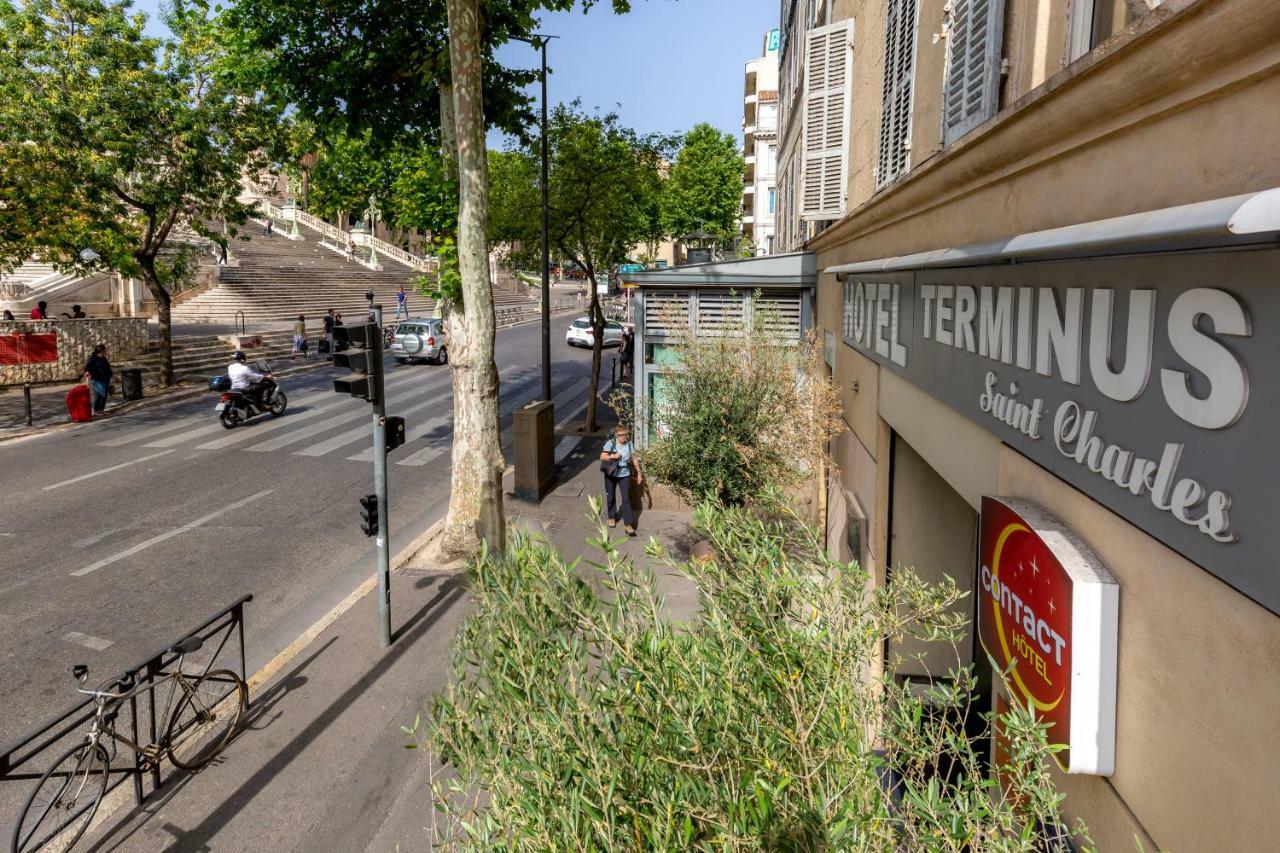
x: 972, y: 84
x: 827, y: 90
x: 896, y: 102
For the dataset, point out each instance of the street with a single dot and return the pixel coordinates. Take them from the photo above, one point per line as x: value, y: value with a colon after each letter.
x: 118, y: 536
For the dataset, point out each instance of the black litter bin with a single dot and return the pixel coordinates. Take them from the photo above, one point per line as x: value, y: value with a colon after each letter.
x: 131, y: 383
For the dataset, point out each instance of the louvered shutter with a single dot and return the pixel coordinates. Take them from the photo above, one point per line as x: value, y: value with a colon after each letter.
x: 972, y: 85
x: 720, y: 311
x: 665, y: 311
x: 827, y: 80
x: 895, y: 104
x: 779, y: 314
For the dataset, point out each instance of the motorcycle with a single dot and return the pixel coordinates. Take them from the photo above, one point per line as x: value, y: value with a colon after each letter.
x: 237, y: 406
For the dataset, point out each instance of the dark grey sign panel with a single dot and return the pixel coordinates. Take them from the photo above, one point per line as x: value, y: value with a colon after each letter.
x: 1151, y: 383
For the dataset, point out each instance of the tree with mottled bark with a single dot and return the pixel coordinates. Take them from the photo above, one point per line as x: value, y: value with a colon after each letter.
x: 118, y: 146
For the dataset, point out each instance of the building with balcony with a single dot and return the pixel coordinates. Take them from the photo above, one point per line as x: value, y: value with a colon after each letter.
x: 1048, y: 239
x: 760, y: 147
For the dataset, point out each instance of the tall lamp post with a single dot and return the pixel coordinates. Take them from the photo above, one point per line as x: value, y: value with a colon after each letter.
x: 540, y: 42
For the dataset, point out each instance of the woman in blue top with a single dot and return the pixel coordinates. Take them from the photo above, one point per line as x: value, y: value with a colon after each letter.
x: 619, y: 450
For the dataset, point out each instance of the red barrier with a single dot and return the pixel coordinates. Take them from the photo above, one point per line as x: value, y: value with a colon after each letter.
x: 29, y: 348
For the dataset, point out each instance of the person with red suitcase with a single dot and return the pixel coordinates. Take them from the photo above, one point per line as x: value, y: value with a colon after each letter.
x: 79, y: 403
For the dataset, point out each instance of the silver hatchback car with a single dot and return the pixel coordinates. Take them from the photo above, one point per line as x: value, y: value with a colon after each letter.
x: 420, y: 338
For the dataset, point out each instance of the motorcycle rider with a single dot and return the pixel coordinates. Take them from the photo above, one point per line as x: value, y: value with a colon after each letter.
x: 248, y: 381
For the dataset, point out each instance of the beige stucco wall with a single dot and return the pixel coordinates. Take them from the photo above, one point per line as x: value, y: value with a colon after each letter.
x: 1198, y: 706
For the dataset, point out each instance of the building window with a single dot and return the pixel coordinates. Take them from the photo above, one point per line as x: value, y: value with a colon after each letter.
x: 971, y: 87
x: 827, y: 91
x: 771, y: 194
x: 896, y: 100
x: 1095, y: 21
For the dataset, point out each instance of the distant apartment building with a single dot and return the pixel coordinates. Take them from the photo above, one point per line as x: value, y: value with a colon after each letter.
x: 1047, y: 244
x: 760, y: 147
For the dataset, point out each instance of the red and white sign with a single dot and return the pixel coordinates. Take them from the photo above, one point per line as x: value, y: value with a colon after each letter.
x: 28, y: 348
x: 1047, y: 614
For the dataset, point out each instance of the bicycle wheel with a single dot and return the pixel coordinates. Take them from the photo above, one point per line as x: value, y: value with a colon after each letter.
x: 206, y: 718
x: 64, y: 800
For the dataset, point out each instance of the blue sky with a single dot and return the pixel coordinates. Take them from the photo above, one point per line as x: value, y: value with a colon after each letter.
x: 666, y: 66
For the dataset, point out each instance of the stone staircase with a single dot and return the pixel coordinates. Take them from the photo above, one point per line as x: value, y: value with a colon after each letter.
x: 197, y: 357
x: 277, y: 279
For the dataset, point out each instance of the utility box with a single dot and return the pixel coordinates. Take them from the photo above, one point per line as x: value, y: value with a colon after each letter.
x: 535, y: 449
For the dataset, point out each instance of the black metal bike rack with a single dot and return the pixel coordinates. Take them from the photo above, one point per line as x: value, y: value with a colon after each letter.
x: 16, y: 758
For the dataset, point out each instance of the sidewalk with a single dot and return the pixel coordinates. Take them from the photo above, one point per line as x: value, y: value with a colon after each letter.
x: 322, y: 764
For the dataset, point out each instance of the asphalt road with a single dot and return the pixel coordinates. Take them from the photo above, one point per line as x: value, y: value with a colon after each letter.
x: 118, y: 536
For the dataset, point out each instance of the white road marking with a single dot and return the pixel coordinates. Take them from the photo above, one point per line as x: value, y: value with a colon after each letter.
x: 423, y: 456
x: 156, y: 540
x: 96, y: 538
x: 414, y: 434
x: 138, y: 435
x: 290, y: 417
x: 95, y: 643
x: 357, y: 433
x: 566, y: 446
x: 568, y: 393
x: 89, y: 476
x: 294, y: 436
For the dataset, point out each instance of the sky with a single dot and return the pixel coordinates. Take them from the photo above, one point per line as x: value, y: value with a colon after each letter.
x: 664, y: 67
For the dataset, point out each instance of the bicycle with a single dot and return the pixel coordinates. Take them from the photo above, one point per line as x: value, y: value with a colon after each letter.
x: 203, y: 720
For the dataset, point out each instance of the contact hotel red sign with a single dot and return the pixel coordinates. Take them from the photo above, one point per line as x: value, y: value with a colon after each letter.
x: 1047, y: 614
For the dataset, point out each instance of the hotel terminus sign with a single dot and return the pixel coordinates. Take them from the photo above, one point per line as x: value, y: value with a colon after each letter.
x: 1140, y: 380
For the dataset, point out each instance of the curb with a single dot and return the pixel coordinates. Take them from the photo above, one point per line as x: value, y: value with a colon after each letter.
x: 272, y: 667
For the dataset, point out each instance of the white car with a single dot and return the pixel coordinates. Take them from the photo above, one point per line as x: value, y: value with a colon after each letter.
x: 581, y: 334
x: 420, y: 338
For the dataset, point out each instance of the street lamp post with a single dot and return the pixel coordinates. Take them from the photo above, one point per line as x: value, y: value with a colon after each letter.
x: 540, y: 42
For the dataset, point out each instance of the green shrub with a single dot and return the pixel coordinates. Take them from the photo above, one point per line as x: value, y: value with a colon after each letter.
x: 581, y: 719
x: 746, y: 411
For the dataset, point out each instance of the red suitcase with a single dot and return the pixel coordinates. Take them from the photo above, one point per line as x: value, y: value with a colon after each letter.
x: 80, y: 403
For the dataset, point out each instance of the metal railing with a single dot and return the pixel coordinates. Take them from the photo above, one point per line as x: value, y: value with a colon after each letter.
x: 20, y: 761
x: 333, y: 232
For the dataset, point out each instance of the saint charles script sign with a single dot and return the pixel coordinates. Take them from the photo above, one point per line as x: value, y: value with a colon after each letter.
x: 1149, y: 382
x: 1047, y: 615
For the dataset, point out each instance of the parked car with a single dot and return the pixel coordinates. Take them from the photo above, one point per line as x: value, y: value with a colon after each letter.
x: 581, y: 334
x: 420, y: 338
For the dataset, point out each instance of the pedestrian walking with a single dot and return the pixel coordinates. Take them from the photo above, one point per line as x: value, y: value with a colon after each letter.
x: 618, y: 464
x: 628, y: 352
x: 328, y: 333
x: 351, y: 248
x: 267, y: 229
x: 402, y: 303
x: 337, y: 321
x: 98, y: 372
x: 299, y: 337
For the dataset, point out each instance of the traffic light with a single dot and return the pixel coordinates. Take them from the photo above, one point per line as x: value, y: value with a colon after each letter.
x: 364, y: 346
x: 369, y: 515
x: 393, y: 431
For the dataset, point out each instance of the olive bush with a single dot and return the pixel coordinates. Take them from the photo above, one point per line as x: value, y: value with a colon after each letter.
x: 583, y: 719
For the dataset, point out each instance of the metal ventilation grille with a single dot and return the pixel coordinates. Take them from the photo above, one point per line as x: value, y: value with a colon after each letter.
x: 779, y: 313
x: 665, y: 311
x: 720, y: 310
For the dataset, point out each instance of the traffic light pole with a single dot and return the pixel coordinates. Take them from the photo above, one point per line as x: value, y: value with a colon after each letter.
x: 380, y: 477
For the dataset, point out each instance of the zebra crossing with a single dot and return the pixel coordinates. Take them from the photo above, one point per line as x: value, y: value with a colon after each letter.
x: 321, y: 425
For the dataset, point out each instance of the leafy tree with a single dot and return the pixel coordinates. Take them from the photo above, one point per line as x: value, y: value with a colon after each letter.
x: 347, y: 171
x: 603, y: 175
x: 115, y: 142
x: 515, y: 205
x: 704, y: 189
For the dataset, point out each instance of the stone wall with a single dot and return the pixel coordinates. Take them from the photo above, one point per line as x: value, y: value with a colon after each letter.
x: 125, y: 338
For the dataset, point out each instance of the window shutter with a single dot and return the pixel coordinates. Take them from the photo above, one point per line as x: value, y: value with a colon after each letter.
x: 827, y: 81
x: 895, y: 104
x: 665, y: 311
x: 972, y: 84
x: 720, y: 311
x: 779, y: 312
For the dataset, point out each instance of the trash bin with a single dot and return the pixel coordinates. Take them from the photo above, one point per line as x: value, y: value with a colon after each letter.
x: 131, y: 383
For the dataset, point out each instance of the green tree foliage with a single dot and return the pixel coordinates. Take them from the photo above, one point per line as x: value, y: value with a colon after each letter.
x: 583, y: 719
x: 348, y: 169
x: 704, y: 188
x: 515, y: 206
x: 746, y: 412
x: 116, y: 142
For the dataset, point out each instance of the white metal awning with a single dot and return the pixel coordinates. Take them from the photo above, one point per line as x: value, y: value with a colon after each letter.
x: 1238, y: 220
